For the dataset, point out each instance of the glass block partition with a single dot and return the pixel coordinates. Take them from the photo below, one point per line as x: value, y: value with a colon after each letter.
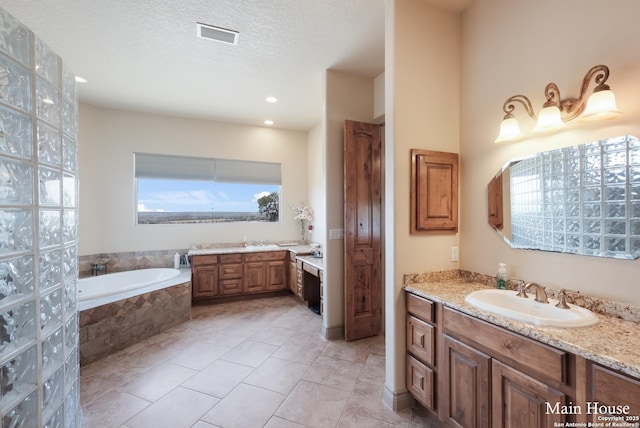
x: 39, y: 371
x: 583, y: 199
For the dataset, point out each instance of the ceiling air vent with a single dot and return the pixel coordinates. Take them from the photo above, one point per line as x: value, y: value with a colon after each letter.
x: 218, y: 34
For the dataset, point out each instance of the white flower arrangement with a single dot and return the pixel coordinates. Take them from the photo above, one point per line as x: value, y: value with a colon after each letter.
x: 303, y: 214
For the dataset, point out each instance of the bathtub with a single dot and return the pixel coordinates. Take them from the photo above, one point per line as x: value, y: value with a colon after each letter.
x: 118, y: 310
x: 103, y: 289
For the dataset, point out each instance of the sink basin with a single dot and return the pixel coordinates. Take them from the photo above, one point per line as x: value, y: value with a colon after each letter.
x: 265, y: 247
x: 507, y: 304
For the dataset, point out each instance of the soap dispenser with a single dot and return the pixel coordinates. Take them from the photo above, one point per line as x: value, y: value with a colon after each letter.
x: 176, y: 261
x: 501, y: 279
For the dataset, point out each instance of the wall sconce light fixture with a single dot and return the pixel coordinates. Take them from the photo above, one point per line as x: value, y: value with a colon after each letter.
x: 556, y: 111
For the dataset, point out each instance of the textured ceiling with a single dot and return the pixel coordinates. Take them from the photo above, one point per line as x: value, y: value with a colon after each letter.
x: 144, y: 54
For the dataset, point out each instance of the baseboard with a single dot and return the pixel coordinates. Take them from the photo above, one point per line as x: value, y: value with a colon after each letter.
x: 397, y: 400
x: 333, y: 333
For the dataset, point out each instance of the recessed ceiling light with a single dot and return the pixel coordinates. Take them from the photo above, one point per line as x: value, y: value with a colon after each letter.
x: 271, y: 99
x: 268, y: 122
x: 81, y: 79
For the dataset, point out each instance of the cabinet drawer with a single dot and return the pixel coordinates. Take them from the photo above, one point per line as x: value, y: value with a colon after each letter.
x: 230, y: 286
x: 230, y: 258
x: 421, y: 340
x: 265, y: 257
x: 613, y: 389
x: 420, y: 307
x: 229, y: 271
x: 204, y: 260
x: 312, y: 270
x: 420, y: 382
x: 520, y: 352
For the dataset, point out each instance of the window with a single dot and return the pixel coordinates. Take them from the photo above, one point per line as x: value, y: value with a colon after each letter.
x: 181, y: 190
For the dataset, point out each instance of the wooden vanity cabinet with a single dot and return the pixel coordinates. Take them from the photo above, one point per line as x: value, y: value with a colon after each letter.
x: 230, y: 274
x: 293, y: 276
x: 467, y: 371
x: 205, y: 276
x: 265, y: 271
x: 519, y: 400
x: 609, y: 388
x: 421, y: 351
x: 470, y: 373
x: 276, y: 275
x: 498, y: 378
x: 216, y: 276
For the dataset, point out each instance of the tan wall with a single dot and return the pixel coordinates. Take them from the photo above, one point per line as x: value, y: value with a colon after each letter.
x: 509, y: 48
x: 347, y: 97
x: 108, y: 139
x: 423, y: 68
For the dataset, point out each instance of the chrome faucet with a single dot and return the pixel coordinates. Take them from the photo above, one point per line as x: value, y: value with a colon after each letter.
x: 541, y: 294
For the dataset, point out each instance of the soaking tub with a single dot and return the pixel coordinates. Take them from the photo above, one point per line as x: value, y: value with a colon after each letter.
x: 99, y: 290
x: 118, y: 310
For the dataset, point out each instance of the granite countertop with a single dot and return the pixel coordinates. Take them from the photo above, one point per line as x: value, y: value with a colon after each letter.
x: 213, y: 249
x: 611, y: 342
x: 316, y: 262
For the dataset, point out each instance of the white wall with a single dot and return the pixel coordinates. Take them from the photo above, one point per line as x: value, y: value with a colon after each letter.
x: 508, y: 49
x: 108, y: 139
x: 423, y: 69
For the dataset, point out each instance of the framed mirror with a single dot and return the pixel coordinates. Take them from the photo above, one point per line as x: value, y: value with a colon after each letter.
x: 582, y: 200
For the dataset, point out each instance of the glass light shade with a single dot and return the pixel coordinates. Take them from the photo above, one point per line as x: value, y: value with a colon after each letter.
x: 601, y: 105
x: 509, y: 130
x: 549, y: 119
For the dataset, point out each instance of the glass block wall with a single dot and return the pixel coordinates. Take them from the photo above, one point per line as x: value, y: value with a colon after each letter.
x: 583, y: 199
x: 39, y: 369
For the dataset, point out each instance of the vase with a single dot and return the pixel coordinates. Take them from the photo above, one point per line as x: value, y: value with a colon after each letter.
x: 303, y: 232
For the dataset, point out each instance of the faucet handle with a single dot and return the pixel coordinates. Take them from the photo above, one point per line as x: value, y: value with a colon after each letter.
x: 521, y: 292
x: 562, y: 298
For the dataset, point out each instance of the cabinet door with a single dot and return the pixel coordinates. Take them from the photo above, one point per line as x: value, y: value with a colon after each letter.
x: 254, y: 277
x: 420, y: 382
x: 612, y: 390
x: 293, y: 278
x: 434, y: 191
x: 421, y: 340
x: 205, y: 281
x: 276, y: 275
x: 467, y: 377
x: 519, y: 400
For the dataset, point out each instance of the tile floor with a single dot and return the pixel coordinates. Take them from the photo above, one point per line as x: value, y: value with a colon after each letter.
x: 259, y: 363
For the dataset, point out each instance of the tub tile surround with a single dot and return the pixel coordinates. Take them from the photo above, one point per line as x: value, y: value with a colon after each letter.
x: 109, y: 328
x: 124, y: 261
x: 612, y: 342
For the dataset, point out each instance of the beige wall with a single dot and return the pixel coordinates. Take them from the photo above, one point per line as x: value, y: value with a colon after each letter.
x: 347, y: 97
x: 108, y: 139
x: 508, y: 49
x: 422, y: 73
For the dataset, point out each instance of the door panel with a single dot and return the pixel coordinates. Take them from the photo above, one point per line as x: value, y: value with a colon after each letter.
x: 363, y: 257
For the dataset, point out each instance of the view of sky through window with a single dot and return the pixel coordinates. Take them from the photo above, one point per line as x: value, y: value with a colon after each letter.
x: 224, y: 201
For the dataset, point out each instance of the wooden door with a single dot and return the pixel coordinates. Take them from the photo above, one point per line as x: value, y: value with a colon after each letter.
x: 466, y: 403
x: 362, y: 230
x: 519, y: 400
